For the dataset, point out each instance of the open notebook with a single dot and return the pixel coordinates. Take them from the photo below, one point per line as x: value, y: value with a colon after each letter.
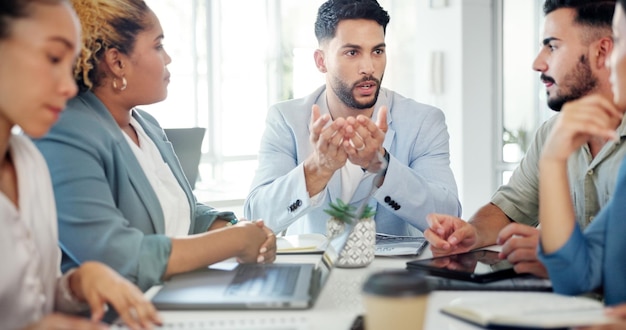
x: 526, y: 310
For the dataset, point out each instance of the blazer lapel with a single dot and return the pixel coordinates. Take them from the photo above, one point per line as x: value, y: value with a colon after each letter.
x: 136, y: 176
x: 166, y: 150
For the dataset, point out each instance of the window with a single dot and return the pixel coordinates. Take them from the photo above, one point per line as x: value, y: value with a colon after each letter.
x: 522, y: 98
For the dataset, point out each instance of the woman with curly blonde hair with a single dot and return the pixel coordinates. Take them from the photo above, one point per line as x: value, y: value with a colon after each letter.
x: 122, y: 196
x: 39, y: 41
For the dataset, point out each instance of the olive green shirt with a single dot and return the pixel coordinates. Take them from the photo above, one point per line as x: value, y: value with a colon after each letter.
x: 592, y: 181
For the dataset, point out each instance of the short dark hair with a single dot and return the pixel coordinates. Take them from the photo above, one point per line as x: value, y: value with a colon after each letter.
x: 334, y: 11
x: 593, y: 13
x: 11, y: 10
x: 623, y: 3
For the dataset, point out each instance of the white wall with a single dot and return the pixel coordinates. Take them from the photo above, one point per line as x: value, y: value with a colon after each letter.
x: 462, y: 32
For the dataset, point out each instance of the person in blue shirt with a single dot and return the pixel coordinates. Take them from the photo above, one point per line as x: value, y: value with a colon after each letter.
x: 581, y: 261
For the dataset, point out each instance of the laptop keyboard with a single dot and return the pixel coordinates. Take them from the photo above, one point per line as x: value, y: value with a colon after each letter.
x: 266, y: 280
x: 239, y: 323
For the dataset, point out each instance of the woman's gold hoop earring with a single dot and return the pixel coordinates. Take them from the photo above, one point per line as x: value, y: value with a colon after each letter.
x: 124, y: 84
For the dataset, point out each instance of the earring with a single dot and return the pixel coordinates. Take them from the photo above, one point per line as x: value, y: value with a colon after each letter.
x: 124, y: 84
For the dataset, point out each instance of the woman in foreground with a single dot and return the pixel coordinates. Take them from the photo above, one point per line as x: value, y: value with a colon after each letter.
x: 39, y: 41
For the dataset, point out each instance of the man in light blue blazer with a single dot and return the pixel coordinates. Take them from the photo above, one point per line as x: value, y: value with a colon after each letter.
x: 319, y: 148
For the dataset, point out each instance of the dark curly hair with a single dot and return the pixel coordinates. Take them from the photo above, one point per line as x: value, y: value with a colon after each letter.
x: 106, y: 24
x: 334, y: 11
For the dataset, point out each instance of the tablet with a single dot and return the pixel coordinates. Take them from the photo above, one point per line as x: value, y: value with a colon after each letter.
x: 477, y: 266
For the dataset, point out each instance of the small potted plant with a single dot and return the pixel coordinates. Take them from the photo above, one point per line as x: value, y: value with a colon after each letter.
x: 360, y: 246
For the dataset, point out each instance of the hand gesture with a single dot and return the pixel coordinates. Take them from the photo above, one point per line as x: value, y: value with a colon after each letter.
x: 579, y: 121
x: 449, y: 235
x: 98, y: 284
x: 65, y: 322
x: 519, y: 246
x: 329, y: 154
x: 367, y: 139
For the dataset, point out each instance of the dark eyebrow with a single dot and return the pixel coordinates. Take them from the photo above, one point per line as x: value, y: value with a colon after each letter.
x: 159, y: 37
x: 380, y: 45
x: 547, y: 40
x: 68, y: 44
x: 351, y: 46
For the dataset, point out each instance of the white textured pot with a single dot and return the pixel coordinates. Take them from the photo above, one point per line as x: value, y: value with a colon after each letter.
x: 360, y: 247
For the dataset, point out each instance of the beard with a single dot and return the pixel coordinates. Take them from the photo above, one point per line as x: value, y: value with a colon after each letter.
x: 581, y: 82
x: 346, y: 93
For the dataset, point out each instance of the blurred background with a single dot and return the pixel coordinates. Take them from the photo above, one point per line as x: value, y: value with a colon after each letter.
x: 232, y: 59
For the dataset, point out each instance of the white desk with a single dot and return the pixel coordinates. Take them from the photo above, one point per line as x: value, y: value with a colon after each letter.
x: 336, y: 308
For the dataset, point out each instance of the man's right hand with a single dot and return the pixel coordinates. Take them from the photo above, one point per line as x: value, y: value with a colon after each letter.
x: 329, y: 154
x: 449, y: 235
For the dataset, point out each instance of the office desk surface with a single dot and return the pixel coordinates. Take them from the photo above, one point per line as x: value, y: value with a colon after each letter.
x: 338, y: 305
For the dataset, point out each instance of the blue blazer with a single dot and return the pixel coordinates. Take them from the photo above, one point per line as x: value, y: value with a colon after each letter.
x: 418, y: 181
x: 107, y: 209
x: 595, y: 258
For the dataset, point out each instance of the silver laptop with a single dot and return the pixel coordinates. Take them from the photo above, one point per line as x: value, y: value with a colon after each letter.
x: 251, y: 286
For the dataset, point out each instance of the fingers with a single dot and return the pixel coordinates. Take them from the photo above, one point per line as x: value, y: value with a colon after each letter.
x: 516, y: 229
x: 267, y: 251
x: 135, y: 311
x: 519, y: 243
x: 145, y: 313
x: 436, y: 224
x: 317, y: 123
x: 441, y: 246
x: 101, y: 285
x: 618, y: 311
x: 531, y: 267
x: 381, y: 121
x: 593, y: 115
x: 96, y: 306
x: 331, y: 140
x: 519, y: 247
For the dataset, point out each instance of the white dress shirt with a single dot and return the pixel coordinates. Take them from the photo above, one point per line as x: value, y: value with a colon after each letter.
x: 30, y: 279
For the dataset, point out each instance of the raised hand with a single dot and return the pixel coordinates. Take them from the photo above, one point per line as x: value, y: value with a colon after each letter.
x: 329, y: 155
x: 367, y: 139
x: 579, y: 122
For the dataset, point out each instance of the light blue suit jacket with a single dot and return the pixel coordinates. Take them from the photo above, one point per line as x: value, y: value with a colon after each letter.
x: 418, y: 181
x: 596, y: 258
x: 106, y: 206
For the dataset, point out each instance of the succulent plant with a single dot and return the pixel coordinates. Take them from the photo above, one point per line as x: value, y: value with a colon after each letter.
x: 345, y: 212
